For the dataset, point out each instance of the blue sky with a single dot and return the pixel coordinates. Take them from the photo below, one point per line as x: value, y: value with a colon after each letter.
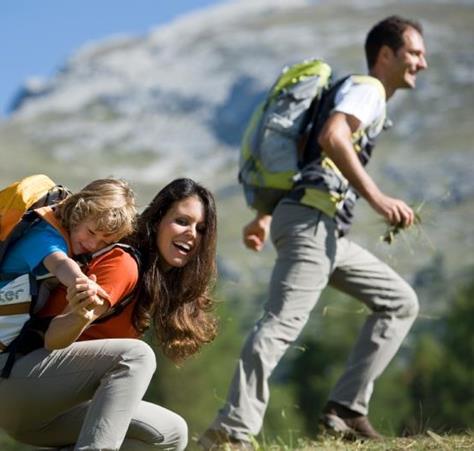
x: 36, y: 36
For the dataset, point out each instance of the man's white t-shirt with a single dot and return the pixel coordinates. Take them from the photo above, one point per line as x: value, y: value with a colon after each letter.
x: 365, y: 101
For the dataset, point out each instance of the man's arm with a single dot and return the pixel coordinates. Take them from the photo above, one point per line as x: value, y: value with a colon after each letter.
x: 255, y: 233
x: 335, y: 140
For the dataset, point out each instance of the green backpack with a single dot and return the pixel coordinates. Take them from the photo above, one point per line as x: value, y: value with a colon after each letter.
x: 275, y: 138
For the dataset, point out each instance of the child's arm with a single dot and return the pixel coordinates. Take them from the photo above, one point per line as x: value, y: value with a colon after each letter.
x: 81, y: 311
x: 79, y: 314
x: 67, y: 271
x: 117, y: 272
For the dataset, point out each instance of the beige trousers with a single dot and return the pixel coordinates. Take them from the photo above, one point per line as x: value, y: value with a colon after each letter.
x: 88, y: 396
x: 310, y: 256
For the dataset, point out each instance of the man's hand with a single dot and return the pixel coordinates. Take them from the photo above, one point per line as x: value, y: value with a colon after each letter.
x: 395, y: 211
x: 256, y: 232
x: 335, y: 139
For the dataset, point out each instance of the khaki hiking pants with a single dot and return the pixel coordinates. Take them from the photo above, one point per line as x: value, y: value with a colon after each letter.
x: 310, y: 256
x: 88, y: 396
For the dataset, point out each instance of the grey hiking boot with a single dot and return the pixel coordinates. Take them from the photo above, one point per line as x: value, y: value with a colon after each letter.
x: 341, y: 421
x: 218, y: 440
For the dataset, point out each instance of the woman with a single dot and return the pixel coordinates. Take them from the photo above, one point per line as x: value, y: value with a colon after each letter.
x: 85, y: 390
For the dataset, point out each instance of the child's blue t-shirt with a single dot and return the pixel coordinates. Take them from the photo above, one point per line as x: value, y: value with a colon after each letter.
x: 28, y: 253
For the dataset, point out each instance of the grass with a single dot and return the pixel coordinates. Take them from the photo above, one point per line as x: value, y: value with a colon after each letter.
x: 428, y: 441
x: 8, y: 444
x: 394, y: 229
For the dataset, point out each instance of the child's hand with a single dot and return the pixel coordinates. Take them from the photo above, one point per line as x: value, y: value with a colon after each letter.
x: 85, y: 287
x: 84, y: 296
x: 99, y: 291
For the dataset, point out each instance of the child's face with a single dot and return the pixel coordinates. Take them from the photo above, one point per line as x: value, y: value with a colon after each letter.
x: 86, y: 238
x: 180, y: 232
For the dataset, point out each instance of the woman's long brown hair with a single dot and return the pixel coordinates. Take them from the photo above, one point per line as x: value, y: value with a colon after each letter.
x: 177, y: 301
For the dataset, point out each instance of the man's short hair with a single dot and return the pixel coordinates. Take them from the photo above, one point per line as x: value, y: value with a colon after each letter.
x: 388, y: 32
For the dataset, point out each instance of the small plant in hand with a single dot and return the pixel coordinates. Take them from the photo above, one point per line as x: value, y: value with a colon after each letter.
x: 394, y: 229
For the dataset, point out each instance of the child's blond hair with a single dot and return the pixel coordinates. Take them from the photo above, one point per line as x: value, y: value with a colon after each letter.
x: 109, y: 203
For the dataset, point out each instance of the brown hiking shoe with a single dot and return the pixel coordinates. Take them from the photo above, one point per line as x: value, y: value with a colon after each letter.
x: 218, y: 440
x: 339, y: 420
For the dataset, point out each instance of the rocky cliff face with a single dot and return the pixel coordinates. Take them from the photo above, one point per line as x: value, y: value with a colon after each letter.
x: 175, y: 102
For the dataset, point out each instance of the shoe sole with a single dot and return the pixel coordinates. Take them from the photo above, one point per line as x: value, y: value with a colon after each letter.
x: 218, y: 444
x: 208, y: 444
x: 336, y: 427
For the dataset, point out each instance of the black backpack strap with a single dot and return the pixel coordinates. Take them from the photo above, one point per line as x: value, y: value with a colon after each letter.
x: 307, y: 127
x: 28, y: 220
x: 30, y: 338
x: 56, y: 194
x: 119, y: 307
x: 310, y: 150
x: 85, y: 259
x: 7, y: 368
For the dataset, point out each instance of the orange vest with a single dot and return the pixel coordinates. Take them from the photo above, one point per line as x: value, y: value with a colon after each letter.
x: 48, y: 215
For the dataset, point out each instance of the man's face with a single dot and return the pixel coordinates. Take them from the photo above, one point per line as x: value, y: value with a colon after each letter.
x: 408, y: 60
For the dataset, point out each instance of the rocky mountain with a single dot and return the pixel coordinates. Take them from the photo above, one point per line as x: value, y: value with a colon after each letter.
x: 175, y: 102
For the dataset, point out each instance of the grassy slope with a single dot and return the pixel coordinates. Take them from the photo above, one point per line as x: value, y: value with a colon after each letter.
x: 425, y: 442
x: 429, y: 441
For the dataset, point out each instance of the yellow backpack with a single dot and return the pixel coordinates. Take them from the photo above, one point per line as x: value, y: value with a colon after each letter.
x: 25, y: 333
x: 17, y: 202
x: 21, y: 196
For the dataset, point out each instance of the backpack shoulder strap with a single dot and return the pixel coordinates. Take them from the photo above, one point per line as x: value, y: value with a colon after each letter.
x: 119, y: 307
x: 116, y: 309
x: 368, y: 79
x: 27, y: 221
x: 309, y: 147
x: 48, y: 214
x: 85, y: 259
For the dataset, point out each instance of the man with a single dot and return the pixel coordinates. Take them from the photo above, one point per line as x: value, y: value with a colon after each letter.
x: 308, y: 229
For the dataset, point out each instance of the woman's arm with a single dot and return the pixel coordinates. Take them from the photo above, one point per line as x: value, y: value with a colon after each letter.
x: 84, y: 307
x: 68, y: 271
x: 116, y: 272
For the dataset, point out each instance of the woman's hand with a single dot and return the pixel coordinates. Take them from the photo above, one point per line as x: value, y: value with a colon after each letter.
x: 84, y: 296
x: 86, y: 302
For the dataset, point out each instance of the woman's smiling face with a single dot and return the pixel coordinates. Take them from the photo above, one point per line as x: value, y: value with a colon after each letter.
x: 180, y: 231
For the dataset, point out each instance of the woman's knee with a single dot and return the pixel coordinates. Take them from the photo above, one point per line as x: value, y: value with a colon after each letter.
x: 181, y: 433
x: 140, y: 355
x: 158, y: 428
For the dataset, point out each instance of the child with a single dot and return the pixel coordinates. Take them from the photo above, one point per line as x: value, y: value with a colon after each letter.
x: 100, y: 214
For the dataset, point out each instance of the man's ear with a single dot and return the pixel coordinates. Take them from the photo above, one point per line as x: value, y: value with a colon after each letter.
x: 386, y: 54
